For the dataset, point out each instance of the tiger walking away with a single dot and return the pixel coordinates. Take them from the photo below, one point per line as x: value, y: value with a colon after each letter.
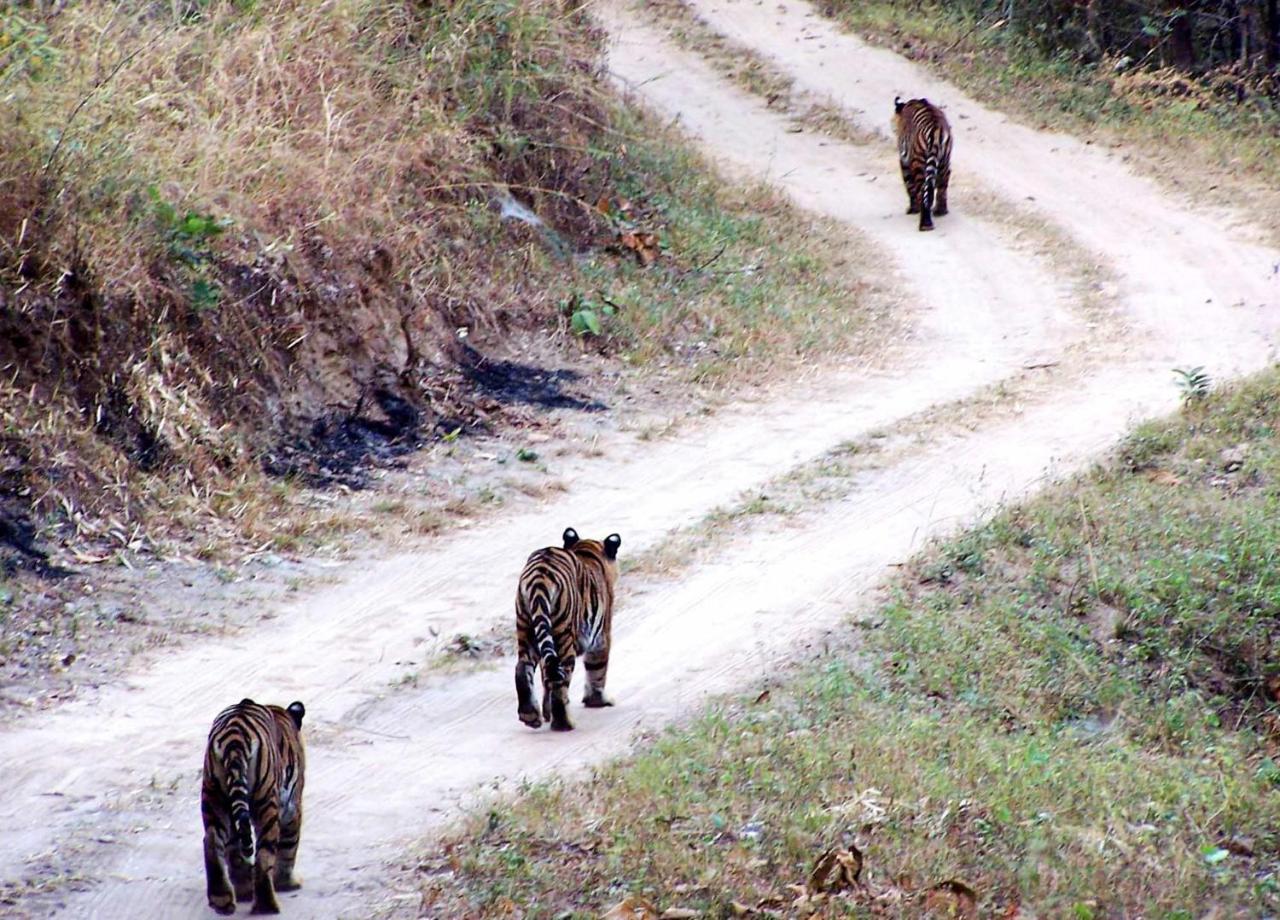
x: 251, y: 804
x: 924, y: 151
x: 564, y: 608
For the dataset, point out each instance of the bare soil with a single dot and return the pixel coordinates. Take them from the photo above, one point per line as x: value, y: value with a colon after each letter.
x: 99, y: 795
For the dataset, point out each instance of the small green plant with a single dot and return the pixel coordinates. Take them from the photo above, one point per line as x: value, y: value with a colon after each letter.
x: 526, y: 455
x: 1193, y: 384
x: 585, y: 314
x: 189, y: 237
x: 205, y: 295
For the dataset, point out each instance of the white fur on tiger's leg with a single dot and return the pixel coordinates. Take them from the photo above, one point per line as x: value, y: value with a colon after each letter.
x: 596, y: 665
x: 264, y: 869
x: 525, y: 707
x: 290, y: 836
x: 558, y: 695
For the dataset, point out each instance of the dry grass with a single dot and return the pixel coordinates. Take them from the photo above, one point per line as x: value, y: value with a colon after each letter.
x: 221, y: 220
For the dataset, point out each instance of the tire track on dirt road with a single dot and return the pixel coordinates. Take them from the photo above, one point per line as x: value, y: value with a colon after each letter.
x: 388, y: 765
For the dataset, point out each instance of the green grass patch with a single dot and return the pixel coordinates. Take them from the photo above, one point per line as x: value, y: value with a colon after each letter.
x: 1072, y: 709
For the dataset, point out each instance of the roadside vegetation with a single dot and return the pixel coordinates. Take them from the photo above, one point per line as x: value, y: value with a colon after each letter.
x: 248, y: 239
x: 1191, y: 88
x: 1070, y: 711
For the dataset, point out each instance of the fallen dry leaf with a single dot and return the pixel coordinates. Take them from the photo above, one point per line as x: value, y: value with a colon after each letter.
x: 1016, y: 911
x: 644, y: 245
x: 763, y: 697
x: 838, y: 869
x: 632, y: 908
x: 952, y: 898
x: 1273, y: 687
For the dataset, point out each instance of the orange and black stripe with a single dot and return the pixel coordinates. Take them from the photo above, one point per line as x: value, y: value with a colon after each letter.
x: 924, y: 151
x: 564, y: 608
x: 251, y: 804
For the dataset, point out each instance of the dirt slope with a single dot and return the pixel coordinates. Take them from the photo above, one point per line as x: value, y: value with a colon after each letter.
x: 104, y: 788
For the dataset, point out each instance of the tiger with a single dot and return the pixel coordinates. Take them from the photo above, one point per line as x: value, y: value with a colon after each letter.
x: 251, y: 805
x: 564, y: 608
x: 924, y: 151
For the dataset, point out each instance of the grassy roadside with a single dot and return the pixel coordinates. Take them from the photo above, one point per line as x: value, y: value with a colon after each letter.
x: 1068, y: 712
x: 1193, y: 135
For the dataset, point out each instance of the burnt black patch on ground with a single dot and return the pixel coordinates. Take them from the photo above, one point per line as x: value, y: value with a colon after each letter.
x: 512, y: 382
x: 18, y: 548
x: 344, y: 447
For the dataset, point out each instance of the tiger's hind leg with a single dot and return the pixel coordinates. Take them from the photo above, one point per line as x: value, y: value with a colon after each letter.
x: 555, y: 698
x: 221, y: 896
x: 944, y: 179
x: 525, y: 708
x: 241, y: 875
x: 596, y: 664
x: 913, y: 206
x: 264, y: 868
x: 290, y: 835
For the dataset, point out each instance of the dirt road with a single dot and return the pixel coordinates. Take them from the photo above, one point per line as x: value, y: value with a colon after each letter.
x: 102, y: 791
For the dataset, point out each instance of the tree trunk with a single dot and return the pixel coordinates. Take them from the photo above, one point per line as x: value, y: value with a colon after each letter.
x: 1252, y: 43
x: 1097, y: 49
x: 1272, y: 33
x: 1182, y: 41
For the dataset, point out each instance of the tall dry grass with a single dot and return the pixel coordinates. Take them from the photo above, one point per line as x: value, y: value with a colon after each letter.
x: 220, y: 217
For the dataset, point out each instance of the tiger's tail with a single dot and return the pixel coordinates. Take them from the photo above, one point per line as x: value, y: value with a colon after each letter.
x: 930, y: 190
x: 544, y: 641
x: 241, y: 814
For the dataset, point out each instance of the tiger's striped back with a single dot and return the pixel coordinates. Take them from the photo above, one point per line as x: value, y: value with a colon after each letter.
x: 251, y: 804
x: 564, y: 608
x: 924, y: 152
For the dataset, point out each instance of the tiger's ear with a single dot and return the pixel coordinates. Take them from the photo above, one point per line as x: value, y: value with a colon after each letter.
x: 570, y: 537
x: 898, y: 105
x: 296, y: 711
x: 611, y: 544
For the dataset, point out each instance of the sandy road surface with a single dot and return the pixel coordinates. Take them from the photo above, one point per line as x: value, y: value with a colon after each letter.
x: 107, y: 784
